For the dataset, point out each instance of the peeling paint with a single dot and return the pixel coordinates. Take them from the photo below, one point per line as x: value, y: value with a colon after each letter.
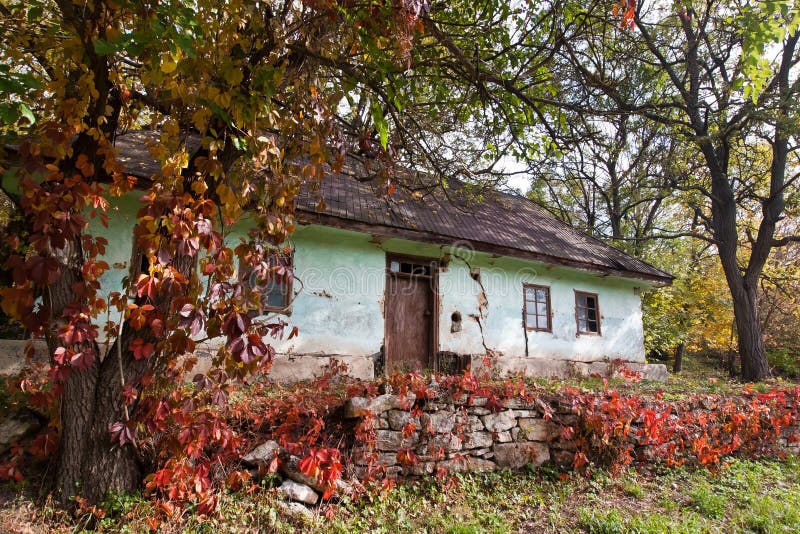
x: 341, y: 308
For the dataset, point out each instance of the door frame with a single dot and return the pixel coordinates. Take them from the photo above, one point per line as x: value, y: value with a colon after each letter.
x: 433, y: 347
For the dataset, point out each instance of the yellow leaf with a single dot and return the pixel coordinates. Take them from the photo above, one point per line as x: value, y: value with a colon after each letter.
x: 200, y: 119
x: 199, y: 187
x: 168, y: 65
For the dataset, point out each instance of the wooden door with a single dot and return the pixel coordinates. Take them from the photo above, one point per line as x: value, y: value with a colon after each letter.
x: 410, y: 313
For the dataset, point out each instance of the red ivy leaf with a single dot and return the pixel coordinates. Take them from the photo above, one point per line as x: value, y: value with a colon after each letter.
x: 140, y: 349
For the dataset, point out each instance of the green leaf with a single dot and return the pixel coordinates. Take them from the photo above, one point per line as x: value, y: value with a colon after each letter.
x: 221, y: 113
x: 35, y: 13
x: 27, y: 113
x: 380, y: 123
x: 104, y: 48
x: 9, y: 113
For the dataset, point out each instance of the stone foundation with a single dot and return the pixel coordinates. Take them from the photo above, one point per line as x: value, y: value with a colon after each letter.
x: 288, y: 368
x: 565, y: 369
x: 12, y: 355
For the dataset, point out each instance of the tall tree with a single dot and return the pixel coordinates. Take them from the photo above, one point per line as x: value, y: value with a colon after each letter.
x: 274, y: 94
x: 705, y: 90
x: 260, y: 86
x: 611, y: 179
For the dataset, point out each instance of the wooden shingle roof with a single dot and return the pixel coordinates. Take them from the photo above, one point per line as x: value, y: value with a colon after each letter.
x: 500, y: 223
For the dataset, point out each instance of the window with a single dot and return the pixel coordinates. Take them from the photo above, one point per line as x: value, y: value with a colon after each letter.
x: 587, y: 313
x: 272, y: 279
x: 411, y: 268
x: 537, y: 308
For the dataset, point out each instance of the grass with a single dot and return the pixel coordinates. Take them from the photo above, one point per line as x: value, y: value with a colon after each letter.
x: 742, y: 497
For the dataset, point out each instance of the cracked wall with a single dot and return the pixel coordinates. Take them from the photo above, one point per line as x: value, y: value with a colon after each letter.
x: 340, y: 310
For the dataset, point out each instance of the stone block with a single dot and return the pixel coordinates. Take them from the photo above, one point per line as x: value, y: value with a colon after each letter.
x: 12, y: 355
x: 537, y: 429
x: 517, y: 455
x: 362, y: 406
x: 290, y: 469
x: 448, y: 442
x: 298, y: 492
x: 364, y: 457
x: 655, y: 371
x: 469, y: 423
x: 500, y: 421
x: 263, y: 454
x: 420, y: 469
x: 474, y: 440
x: 435, y: 406
x: 441, y: 422
x: 16, y: 427
x: 400, y: 418
x: 296, y: 511
x: 515, y: 403
x: 361, y: 472
x: 392, y: 440
x: 503, y: 437
x: 467, y: 463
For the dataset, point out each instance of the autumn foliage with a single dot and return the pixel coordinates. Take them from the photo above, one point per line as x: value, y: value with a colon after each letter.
x: 238, y: 109
x: 195, y: 448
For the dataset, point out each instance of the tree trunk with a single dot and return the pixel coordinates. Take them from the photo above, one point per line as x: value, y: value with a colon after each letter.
x: 678, y: 364
x: 751, y: 340
x: 89, y: 463
x: 743, y: 286
x: 78, y: 401
x: 109, y: 466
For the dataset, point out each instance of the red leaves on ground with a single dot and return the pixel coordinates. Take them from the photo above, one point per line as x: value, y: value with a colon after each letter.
x: 11, y: 471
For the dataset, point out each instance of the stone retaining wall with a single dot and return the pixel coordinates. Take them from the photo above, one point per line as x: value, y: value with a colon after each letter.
x: 418, y: 438
x: 449, y: 434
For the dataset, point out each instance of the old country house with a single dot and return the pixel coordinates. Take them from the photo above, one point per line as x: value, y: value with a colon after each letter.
x: 435, y: 280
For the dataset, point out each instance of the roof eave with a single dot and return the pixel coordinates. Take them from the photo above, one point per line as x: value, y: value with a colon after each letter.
x: 309, y: 217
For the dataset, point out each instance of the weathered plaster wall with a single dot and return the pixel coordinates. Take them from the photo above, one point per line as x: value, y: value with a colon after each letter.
x: 502, y: 322
x: 119, y: 233
x: 490, y: 309
x: 339, y: 306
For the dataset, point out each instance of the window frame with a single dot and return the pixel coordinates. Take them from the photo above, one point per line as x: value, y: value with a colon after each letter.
x: 286, y: 308
x: 548, y: 301
x: 578, y: 330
